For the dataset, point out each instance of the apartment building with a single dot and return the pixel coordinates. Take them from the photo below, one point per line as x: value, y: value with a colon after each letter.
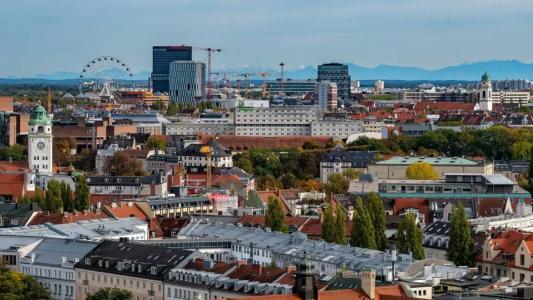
x: 137, y: 268
x: 338, y: 161
x: 277, y: 121
x: 52, y: 262
x: 134, y: 186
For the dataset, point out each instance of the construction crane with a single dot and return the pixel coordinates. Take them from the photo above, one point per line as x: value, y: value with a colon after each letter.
x: 247, y: 86
x: 207, y: 151
x: 209, y: 51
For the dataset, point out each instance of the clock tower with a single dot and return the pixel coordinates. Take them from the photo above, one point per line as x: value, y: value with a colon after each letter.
x: 40, y: 141
x: 485, y: 93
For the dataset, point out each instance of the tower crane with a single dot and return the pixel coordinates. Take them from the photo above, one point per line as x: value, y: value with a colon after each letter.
x: 209, y: 51
x: 207, y: 151
x: 247, y: 86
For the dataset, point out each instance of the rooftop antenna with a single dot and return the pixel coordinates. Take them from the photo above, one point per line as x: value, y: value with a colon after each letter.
x: 282, y: 69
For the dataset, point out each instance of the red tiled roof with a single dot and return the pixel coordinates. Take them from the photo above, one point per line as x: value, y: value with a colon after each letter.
x: 14, y: 166
x: 66, y: 218
x: 13, y: 185
x: 436, y: 106
x: 219, y: 266
x: 125, y: 210
x: 421, y: 204
x: 256, y: 273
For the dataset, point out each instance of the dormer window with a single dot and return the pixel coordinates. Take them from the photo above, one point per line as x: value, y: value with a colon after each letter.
x: 87, y: 260
x: 153, y: 270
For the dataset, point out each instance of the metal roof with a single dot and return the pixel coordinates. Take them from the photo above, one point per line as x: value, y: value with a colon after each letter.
x: 409, y: 160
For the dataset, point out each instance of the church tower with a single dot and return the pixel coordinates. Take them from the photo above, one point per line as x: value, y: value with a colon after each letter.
x: 40, y: 141
x: 485, y: 93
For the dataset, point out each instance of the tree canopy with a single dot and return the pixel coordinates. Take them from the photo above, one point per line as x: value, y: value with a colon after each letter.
x: 18, y: 286
x: 421, y: 171
x: 336, y: 184
x: 156, y: 142
x: 81, y: 200
x: 363, y: 234
x: 16, y: 152
x: 274, y: 217
x: 111, y: 294
x: 377, y: 215
x: 121, y: 164
x: 461, y: 245
x: 410, y: 237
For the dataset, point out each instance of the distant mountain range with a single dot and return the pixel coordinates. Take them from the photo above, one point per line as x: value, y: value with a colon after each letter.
x: 498, y: 69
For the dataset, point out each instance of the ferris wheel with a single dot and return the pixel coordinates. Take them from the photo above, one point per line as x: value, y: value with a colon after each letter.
x: 104, y: 70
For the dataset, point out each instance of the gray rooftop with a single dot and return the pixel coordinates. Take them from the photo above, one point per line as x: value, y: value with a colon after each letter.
x: 51, y: 251
x: 295, y: 245
x: 90, y: 230
x: 409, y: 160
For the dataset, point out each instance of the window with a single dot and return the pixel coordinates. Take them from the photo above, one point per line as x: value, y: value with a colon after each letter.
x: 522, y: 259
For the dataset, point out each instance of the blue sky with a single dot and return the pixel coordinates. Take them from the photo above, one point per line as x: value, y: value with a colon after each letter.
x: 44, y: 36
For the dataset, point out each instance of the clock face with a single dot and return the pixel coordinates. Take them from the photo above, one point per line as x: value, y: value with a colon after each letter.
x: 40, y: 145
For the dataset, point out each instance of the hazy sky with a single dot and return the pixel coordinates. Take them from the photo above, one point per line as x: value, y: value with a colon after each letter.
x: 44, y: 36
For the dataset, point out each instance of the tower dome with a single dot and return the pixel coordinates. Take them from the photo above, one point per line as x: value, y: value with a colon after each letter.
x: 39, y: 116
x: 485, y: 77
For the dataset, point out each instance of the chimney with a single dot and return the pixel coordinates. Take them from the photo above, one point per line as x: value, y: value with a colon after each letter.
x: 304, y: 285
x: 290, y: 269
x: 368, y: 283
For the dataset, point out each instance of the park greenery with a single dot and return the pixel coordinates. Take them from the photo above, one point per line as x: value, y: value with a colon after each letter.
x: 333, y: 226
x: 363, y: 231
x: 59, y: 196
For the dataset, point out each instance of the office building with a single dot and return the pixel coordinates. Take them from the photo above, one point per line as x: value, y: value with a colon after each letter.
x: 162, y: 56
x: 339, y: 74
x: 327, y: 95
x: 292, y: 87
x: 187, y: 81
x: 379, y: 86
x: 275, y: 121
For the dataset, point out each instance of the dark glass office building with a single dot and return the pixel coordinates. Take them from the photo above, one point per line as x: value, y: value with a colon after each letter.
x: 162, y: 56
x: 339, y: 74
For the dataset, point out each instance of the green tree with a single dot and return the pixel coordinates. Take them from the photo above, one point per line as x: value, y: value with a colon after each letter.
x: 16, y: 152
x: 461, y: 245
x: 156, y: 142
x: 289, y: 181
x: 340, y: 224
x: 52, y: 199
x: 377, y: 215
x: 241, y: 160
x: 268, y: 182
x: 521, y: 150
x: 111, y: 294
x: 421, y: 171
x: 38, y: 197
x: 17, y: 286
x: 172, y: 109
x: 410, y: 237
x: 274, y: 215
x: 328, y: 225
x: 82, y: 194
x: 66, y: 197
x: 158, y: 105
x: 336, y: 184
x: 362, y: 228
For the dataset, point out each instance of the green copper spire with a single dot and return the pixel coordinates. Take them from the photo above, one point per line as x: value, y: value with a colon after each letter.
x: 39, y: 116
x: 485, y: 77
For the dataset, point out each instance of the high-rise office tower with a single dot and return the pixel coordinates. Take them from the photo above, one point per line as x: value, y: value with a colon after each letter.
x: 187, y: 81
x: 339, y: 74
x: 162, y: 56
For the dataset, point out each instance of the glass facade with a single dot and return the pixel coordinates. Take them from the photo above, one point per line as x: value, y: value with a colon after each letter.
x: 162, y: 56
x: 339, y: 74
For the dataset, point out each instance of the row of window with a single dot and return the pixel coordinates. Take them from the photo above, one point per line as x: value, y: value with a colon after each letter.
x: 43, y: 157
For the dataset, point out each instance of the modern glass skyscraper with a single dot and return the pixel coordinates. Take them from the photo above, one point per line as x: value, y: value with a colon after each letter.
x: 339, y: 74
x: 187, y: 81
x: 162, y: 56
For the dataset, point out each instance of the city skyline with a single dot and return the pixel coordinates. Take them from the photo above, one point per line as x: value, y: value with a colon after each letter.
x: 428, y: 34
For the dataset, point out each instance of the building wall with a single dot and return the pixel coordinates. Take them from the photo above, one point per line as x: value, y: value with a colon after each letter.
x: 398, y: 171
x: 186, y: 81
x: 88, y: 281
x: 60, y: 281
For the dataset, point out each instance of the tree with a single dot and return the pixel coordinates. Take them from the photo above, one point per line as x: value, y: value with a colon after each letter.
x: 421, y: 171
x: 156, y: 142
x: 289, y: 181
x: 268, y: 182
x: 172, y: 109
x: 461, y: 245
x: 52, y: 200
x: 121, y: 164
x: 310, y: 145
x: 377, y: 215
x: 328, y: 225
x: 339, y: 229
x: 274, y: 215
x: 521, y: 150
x: 337, y: 184
x: 351, y: 174
x: 38, y: 197
x: 158, y: 105
x: 362, y: 228
x: 111, y: 294
x: 17, y: 286
x: 16, y: 152
x: 410, y: 237
x: 82, y: 194
x: 66, y: 197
